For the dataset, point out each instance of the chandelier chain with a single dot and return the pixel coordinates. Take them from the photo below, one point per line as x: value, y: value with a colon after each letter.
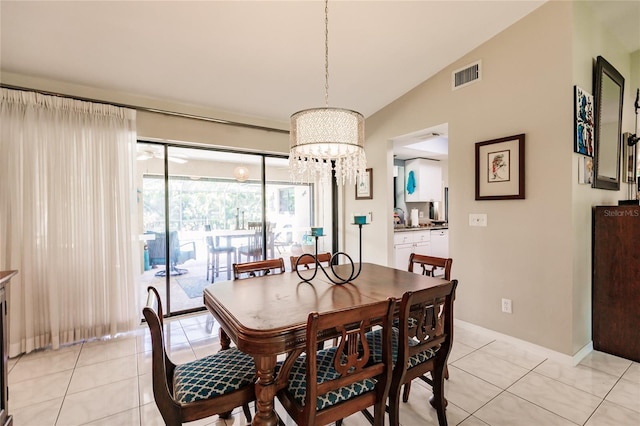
x: 326, y: 53
x: 327, y: 142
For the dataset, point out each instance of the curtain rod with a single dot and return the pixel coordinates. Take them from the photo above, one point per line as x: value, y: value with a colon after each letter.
x: 147, y: 109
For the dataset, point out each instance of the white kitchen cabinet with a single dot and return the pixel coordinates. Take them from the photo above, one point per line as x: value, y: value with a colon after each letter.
x: 422, y: 248
x: 408, y: 242
x: 403, y: 251
x: 428, y: 180
x: 421, y: 236
x: 440, y: 243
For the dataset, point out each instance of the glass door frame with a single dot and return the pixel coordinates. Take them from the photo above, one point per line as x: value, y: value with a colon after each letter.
x: 166, y: 186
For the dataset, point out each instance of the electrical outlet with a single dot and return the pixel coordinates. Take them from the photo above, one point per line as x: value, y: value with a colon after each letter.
x: 477, y: 219
x: 506, y: 306
x: 421, y: 214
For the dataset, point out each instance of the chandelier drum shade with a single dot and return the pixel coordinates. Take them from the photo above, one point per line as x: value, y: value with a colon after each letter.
x: 322, y: 135
x: 327, y: 139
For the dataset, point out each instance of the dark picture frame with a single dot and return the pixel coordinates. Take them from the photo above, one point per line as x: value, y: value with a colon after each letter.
x: 583, y: 121
x: 500, y: 169
x: 364, y: 185
x: 608, y: 93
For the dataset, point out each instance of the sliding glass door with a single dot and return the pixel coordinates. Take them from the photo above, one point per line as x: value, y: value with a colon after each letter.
x: 203, y: 210
x: 291, y: 210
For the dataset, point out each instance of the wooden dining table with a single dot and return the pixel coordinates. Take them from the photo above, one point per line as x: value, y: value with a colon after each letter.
x: 267, y: 316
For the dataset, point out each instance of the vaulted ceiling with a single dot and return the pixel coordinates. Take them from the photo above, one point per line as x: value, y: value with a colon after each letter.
x: 255, y: 58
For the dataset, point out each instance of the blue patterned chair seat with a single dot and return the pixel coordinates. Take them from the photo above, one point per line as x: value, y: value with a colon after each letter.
x: 412, y: 322
x: 213, y: 375
x: 374, y: 339
x: 297, y: 384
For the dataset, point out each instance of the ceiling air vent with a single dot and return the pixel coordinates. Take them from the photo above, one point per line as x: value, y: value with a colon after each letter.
x: 467, y: 75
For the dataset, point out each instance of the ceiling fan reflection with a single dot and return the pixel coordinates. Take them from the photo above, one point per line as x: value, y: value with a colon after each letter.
x: 148, y: 154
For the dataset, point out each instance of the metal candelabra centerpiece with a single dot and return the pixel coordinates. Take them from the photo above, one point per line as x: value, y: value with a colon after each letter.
x: 336, y: 279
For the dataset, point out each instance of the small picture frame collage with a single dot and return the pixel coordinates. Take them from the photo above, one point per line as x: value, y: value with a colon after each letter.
x: 583, y: 143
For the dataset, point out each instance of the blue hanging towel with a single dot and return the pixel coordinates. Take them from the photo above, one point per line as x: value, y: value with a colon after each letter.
x: 411, y: 182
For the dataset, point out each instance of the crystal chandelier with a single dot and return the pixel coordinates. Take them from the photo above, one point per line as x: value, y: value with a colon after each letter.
x: 322, y: 136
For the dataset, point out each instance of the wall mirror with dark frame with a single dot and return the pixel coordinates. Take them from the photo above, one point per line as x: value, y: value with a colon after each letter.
x: 608, y: 94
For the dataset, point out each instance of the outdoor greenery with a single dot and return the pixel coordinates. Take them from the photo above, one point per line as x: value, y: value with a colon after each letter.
x: 220, y: 203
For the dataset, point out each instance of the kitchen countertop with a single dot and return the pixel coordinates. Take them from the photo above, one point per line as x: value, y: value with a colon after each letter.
x: 421, y: 228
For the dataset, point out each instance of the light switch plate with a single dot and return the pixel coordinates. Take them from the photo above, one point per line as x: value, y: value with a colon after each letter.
x: 477, y: 219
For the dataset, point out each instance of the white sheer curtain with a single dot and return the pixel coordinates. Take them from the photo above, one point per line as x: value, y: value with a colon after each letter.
x: 67, y: 201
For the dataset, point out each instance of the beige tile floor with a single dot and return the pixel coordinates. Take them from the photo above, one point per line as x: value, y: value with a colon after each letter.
x: 197, y: 268
x: 491, y: 383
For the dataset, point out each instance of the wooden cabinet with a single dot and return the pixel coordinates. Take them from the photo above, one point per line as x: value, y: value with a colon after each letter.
x: 616, y: 280
x: 5, y: 418
x: 427, y: 177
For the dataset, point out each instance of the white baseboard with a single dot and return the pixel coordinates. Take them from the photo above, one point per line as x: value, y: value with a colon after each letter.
x: 528, y: 346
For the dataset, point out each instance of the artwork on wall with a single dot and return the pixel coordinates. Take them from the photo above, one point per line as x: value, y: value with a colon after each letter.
x: 585, y: 170
x: 364, y: 185
x: 500, y: 169
x: 583, y: 119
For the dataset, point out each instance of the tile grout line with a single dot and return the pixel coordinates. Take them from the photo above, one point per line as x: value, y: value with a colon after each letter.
x: 541, y: 407
x: 64, y: 397
x: 607, y: 372
x: 138, y: 381
x: 502, y: 391
x: 544, y: 408
x: 610, y: 390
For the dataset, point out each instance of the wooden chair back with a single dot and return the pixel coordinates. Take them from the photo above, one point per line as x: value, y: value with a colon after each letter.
x: 255, y: 244
x: 257, y: 268
x: 254, y: 247
x: 306, y: 261
x: 339, y: 367
x: 172, y: 410
x: 430, y: 264
x: 426, y: 321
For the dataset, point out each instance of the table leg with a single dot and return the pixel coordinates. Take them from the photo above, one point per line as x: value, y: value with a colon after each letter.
x: 225, y: 341
x: 265, y: 391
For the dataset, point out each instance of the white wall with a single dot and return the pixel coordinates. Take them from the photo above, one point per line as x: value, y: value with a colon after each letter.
x: 634, y: 85
x: 591, y: 39
x: 534, y: 251
x: 156, y: 126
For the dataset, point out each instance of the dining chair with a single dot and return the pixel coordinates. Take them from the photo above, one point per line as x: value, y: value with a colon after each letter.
x: 283, y: 238
x: 327, y: 385
x: 420, y: 345
x: 253, y: 249
x: 430, y: 265
x: 215, y: 384
x: 257, y: 268
x: 306, y: 261
x: 178, y: 253
x: 213, y: 256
